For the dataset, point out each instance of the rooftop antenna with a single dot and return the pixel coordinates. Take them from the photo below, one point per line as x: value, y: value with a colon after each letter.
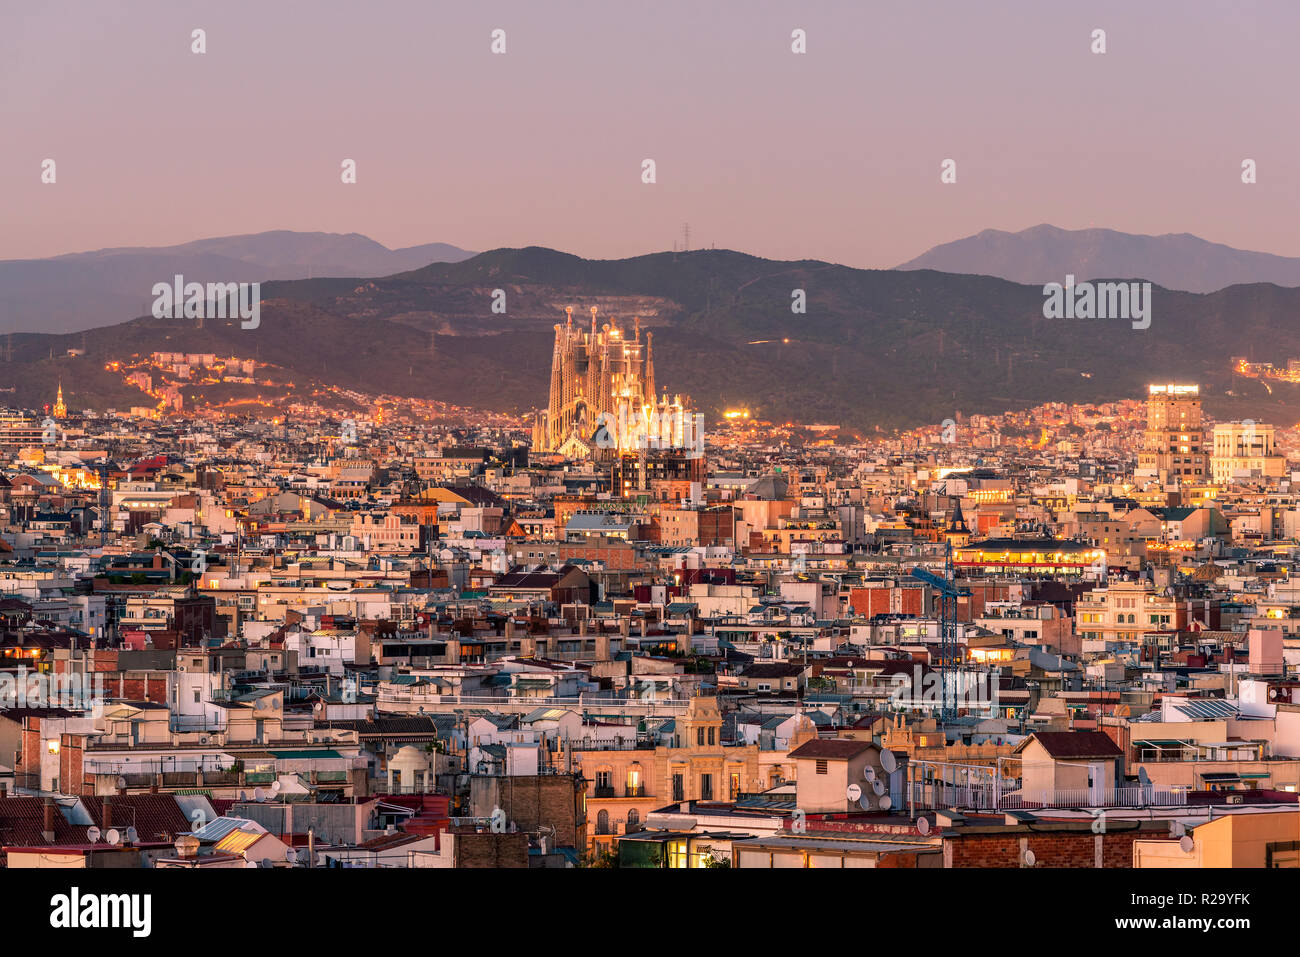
x: 686, y: 237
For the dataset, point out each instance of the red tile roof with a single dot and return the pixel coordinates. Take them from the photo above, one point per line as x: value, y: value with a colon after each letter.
x: 839, y: 749
x: 1077, y: 744
x: 155, y: 817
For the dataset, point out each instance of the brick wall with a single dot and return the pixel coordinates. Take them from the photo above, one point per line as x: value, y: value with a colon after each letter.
x: 1073, y: 849
x: 487, y: 849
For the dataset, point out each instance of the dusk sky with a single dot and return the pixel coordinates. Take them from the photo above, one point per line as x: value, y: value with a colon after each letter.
x: 834, y: 154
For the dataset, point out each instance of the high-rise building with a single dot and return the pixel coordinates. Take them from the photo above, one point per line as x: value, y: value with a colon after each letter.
x: 602, y: 394
x: 1174, y: 445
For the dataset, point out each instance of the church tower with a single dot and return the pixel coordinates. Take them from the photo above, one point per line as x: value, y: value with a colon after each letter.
x: 60, y: 409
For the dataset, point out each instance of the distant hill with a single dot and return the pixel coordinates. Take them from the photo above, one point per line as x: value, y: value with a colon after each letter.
x: 881, y: 348
x: 79, y: 291
x: 1045, y: 254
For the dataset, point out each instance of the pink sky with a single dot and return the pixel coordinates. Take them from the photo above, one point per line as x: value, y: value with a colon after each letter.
x: 834, y: 154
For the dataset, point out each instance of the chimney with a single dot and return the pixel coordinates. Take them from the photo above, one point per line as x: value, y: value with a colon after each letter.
x: 187, y: 846
x: 48, y: 820
x: 108, y: 812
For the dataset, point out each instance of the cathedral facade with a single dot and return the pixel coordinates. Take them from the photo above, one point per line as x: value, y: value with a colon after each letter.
x: 602, y: 394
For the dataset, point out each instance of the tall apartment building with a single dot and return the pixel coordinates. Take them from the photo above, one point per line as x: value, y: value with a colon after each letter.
x: 1245, y: 450
x: 1174, y: 445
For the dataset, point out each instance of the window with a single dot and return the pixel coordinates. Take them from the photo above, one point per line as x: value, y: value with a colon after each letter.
x: 735, y: 786
x: 711, y: 740
x: 706, y: 787
x: 821, y: 767
x: 699, y: 736
x: 677, y: 854
x: 679, y: 788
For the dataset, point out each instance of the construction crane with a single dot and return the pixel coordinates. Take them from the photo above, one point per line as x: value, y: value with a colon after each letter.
x: 947, y: 593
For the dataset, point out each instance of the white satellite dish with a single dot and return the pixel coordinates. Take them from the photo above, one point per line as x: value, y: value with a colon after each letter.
x: 121, y: 783
x: 886, y: 803
x: 1187, y: 843
x: 258, y: 795
x: 923, y: 826
x: 291, y: 855
x: 854, y: 792
x: 869, y: 773
x: 92, y: 834
x: 132, y: 835
x: 276, y: 785
x: 113, y: 837
x: 1030, y: 857
x: 888, y: 761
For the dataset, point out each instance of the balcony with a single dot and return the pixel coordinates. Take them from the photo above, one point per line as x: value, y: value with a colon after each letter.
x: 604, y: 791
x: 986, y: 797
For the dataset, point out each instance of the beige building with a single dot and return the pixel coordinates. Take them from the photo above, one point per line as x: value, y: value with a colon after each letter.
x: 626, y: 784
x: 1174, y: 444
x: 1245, y: 450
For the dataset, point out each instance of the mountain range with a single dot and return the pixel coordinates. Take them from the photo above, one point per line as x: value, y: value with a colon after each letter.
x: 1044, y: 254
x: 875, y: 348
x: 79, y: 291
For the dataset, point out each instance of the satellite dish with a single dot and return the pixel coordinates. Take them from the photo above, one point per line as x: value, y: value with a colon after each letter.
x: 869, y: 773
x: 92, y: 834
x: 258, y: 795
x: 121, y: 783
x: 923, y: 826
x: 113, y: 837
x: 291, y: 855
x: 276, y: 785
x: 865, y: 803
x: 1187, y: 843
x: 888, y: 761
x: 1143, y: 778
x: 266, y: 862
x: 854, y: 792
x: 243, y: 795
x: 132, y: 835
x: 886, y: 803
x: 878, y: 787
x: 1030, y: 858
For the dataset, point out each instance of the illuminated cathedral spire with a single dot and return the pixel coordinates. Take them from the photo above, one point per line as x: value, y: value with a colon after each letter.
x: 60, y: 409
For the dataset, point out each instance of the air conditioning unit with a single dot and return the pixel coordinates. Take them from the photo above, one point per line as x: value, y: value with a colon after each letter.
x: 1235, y: 799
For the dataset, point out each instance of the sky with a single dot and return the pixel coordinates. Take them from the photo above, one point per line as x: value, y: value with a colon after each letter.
x: 832, y: 154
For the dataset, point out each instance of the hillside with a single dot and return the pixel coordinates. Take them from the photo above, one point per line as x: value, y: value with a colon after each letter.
x: 876, y: 347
